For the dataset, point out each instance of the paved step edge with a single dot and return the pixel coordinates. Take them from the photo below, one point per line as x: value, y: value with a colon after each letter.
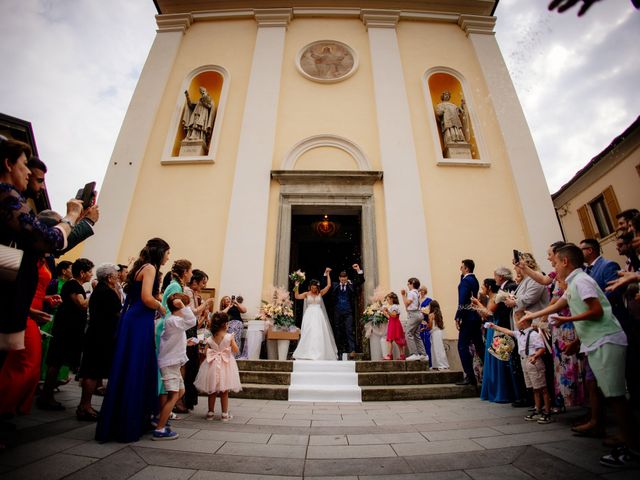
x: 417, y: 392
x: 408, y: 378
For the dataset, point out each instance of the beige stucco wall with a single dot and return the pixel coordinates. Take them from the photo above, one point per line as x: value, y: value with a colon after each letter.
x: 187, y: 204
x: 624, y: 179
x: 471, y: 212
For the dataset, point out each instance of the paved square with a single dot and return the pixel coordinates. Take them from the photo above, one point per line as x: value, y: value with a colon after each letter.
x: 272, y: 440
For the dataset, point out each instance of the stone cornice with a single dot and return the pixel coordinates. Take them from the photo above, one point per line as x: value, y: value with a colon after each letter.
x: 477, y: 24
x: 287, y: 177
x: 380, y: 18
x: 177, y: 22
x: 273, y: 17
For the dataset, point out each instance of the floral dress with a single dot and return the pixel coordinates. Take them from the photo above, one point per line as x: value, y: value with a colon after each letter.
x: 568, y: 371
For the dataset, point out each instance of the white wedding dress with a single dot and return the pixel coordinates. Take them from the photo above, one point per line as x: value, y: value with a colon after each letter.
x: 316, y: 338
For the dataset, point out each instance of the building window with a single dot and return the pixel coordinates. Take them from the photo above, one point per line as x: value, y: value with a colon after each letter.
x: 601, y: 217
x: 600, y: 211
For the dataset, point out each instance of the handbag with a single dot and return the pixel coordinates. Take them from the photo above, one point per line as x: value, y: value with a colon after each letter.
x: 10, y: 260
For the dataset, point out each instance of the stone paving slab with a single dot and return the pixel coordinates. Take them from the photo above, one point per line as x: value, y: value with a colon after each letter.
x: 120, y: 466
x: 153, y: 472
x: 225, y: 436
x: 50, y: 468
x: 385, y: 438
x: 500, y: 471
x: 257, y: 450
x: 223, y: 463
x: 195, y: 445
x: 349, y: 451
x: 328, y: 440
x: 452, y: 475
x: 278, y: 439
x: 541, y: 465
x: 359, y: 466
x: 432, y: 448
x: 461, y: 434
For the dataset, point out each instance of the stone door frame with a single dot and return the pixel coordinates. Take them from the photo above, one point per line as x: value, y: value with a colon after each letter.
x: 350, y: 189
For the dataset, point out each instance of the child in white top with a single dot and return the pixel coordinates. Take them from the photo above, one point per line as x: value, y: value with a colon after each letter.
x: 439, y: 359
x: 172, y: 354
x: 531, y: 349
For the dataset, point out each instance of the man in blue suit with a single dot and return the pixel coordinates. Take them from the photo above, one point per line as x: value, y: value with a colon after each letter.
x: 597, y: 267
x: 468, y: 321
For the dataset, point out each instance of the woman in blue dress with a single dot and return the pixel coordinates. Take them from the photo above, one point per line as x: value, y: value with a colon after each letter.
x: 496, y: 375
x: 132, y: 392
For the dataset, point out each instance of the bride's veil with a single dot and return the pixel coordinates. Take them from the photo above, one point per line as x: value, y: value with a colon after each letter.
x: 325, y: 316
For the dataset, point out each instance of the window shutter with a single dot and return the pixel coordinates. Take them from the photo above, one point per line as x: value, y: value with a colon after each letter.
x: 585, y: 221
x: 612, y: 203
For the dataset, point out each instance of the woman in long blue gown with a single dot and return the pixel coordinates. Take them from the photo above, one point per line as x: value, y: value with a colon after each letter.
x: 132, y: 392
x: 496, y: 375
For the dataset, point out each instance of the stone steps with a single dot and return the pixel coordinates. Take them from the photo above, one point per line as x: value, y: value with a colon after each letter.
x: 379, y: 381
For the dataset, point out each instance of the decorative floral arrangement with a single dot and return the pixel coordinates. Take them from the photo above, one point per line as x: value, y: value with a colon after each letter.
x: 425, y: 310
x: 502, y: 346
x: 279, y: 312
x: 297, y: 276
x: 373, y: 311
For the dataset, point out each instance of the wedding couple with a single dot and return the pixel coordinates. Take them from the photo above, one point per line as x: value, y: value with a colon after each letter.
x: 316, y: 336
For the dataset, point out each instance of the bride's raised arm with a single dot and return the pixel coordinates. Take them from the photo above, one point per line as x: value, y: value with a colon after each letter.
x: 299, y: 296
x: 327, y: 273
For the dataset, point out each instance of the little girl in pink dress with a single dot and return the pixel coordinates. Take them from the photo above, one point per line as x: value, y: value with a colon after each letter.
x: 218, y: 373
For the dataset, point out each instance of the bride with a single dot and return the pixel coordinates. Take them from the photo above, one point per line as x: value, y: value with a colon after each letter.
x: 316, y: 338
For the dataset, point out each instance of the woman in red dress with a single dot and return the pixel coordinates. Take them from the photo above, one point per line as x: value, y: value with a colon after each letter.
x: 20, y: 372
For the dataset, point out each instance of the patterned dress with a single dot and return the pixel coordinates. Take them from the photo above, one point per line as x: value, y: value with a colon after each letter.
x: 568, y: 378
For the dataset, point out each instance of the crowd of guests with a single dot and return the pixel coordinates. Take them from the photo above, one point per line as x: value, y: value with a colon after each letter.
x: 576, y: 332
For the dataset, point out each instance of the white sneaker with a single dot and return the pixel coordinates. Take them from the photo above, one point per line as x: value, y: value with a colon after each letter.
x: 413, y: 357
x: 226, y: 416
x: 424, y: 357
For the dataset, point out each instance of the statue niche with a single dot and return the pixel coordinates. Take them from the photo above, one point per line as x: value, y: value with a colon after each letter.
x: 454, y: 127
x: 197, y: 123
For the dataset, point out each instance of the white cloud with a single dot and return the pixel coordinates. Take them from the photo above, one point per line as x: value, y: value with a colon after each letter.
x: 70, y: 69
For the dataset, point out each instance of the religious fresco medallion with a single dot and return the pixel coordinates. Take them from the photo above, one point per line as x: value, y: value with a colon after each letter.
x: 327, y: 61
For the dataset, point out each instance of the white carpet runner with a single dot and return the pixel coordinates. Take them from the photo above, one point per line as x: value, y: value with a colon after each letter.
x: 324, y: 381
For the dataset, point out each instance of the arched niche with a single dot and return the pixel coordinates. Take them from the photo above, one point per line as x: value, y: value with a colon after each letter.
x: 215, y: 80
x: 437, y: 81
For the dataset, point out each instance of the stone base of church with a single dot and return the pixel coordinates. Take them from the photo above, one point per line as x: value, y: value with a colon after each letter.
x: 192, y: 148
x: 458, y: 150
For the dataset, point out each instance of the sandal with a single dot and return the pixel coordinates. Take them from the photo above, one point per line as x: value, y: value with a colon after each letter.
x: 388, y: 357
x: 86, y: 415
x: 226, y: 416
x: 210, y: 416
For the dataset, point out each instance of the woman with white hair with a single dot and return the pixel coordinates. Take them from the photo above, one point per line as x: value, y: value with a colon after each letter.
x: 104, y: 313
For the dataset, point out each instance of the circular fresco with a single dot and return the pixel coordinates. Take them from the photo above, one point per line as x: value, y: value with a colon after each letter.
x: 327, y: 61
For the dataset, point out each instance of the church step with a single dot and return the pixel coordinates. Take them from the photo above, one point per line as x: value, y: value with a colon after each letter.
x: 392, y: 366
x: 324, y: 393
x: 265, y: 365
x: 417, y: 392
x: 409, y: 378
x: 324, y: 378
x: 262, y: 391
x: 336, y: 366
x: 273, y: 378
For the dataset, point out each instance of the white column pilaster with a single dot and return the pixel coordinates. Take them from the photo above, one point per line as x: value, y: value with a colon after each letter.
x: 406, y: 231
x: 245, y: 242
x: 119, y: 184
x: 537, y: 207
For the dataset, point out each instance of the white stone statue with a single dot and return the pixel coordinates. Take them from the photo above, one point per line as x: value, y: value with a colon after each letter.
x: 454, y: 125
x: 197, y: 119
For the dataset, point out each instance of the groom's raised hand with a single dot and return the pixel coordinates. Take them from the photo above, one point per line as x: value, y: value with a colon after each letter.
x: 356, y: 267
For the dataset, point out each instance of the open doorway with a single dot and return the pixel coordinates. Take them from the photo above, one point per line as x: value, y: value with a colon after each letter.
x: 323, y: 237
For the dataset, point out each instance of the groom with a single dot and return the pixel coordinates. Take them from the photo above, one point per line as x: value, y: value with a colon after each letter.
x: 344, y: 295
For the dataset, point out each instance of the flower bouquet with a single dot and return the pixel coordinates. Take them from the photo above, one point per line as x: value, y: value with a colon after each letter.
x: 279, y: 312
x: 372, y: 317
x: 502, y: 346
x: 297, y: 276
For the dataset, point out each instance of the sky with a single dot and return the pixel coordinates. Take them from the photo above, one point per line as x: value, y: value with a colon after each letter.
x: 70, y: 67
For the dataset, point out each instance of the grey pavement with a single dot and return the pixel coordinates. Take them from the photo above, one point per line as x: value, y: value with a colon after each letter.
x: 465, y: 439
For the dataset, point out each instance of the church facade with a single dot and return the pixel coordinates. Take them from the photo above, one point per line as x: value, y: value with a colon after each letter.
x: 269, y: 136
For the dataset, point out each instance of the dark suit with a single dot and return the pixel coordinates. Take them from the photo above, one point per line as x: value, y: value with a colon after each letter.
x: 470, y: 325
x: 603, y: 271
x: 502, y: 315
x: 343, y: 313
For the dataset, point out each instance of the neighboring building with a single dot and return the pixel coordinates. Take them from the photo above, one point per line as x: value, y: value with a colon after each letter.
x: 587, y: 204
x: 317, y: 144
x: 18, y: 129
